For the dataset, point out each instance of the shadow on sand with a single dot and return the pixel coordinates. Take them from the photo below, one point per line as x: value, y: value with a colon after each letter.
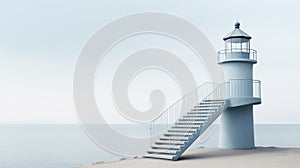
x: 213, y: 153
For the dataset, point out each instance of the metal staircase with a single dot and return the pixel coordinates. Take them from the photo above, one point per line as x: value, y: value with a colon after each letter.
x: 198, y: 110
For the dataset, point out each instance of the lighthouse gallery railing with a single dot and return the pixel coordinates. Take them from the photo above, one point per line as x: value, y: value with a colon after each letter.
x: 231, y: 54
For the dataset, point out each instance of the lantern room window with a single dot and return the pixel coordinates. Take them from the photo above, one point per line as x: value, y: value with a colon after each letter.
x: 237, y: 45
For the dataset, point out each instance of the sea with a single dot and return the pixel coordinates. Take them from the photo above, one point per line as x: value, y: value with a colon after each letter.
x: 64, y: 146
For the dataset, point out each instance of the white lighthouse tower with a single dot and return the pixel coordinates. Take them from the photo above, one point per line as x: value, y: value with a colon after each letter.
x: 237, y: 59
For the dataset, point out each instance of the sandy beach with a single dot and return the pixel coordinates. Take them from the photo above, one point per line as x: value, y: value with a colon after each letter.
x: 260, y: 157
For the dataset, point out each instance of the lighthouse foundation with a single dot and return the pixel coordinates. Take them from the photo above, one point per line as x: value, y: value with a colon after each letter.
x: 236, y: 128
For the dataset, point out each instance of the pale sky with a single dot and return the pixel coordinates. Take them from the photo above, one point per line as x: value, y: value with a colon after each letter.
x: 40, y: 42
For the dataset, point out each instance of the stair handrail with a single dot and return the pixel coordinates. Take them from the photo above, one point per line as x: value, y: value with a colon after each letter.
x: 223, y: 86
x: 218, y: 93
x: 172, y: 105
x: 212, y: 93
x: 169, y: 116
x: 211, y: 96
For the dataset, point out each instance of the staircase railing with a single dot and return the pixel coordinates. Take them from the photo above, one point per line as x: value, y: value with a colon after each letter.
x: 203, y: 93
x: 168, y: 117
x: 218, y: 94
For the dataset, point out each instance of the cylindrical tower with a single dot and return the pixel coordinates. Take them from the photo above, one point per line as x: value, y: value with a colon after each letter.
x: 237, y: 59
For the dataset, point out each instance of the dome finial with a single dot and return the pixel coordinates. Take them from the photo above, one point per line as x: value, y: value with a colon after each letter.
x: 237, y: 25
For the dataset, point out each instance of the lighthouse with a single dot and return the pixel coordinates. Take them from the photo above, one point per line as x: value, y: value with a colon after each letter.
x: 237, y: 60
x: 233, y: 100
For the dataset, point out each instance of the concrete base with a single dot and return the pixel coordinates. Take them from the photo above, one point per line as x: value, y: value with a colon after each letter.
x: 236, y: 128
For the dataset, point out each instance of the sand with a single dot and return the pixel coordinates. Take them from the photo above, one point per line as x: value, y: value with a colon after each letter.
x: 261, y: 157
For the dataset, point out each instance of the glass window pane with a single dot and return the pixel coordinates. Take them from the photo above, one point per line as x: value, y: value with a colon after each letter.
x: 228, y: 44
x: 237, y: 45
x: 245, y: 46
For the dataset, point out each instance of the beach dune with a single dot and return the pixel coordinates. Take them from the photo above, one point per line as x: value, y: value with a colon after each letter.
x: 260, y: 157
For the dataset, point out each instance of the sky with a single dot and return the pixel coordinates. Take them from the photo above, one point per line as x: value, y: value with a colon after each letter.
x: 40, y: 42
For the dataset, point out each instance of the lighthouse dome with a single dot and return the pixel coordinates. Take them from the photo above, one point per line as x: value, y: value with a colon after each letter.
x: 237, y: 33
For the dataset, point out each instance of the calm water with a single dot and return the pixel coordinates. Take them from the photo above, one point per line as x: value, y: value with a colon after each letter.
x: 68, y: 146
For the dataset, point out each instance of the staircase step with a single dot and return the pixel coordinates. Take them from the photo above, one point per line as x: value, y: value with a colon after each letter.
x: 182, y: 130
x: 205, y: 108
x: 186, y: 126
x: 166, y: 146
x: 201, y: 112
x: 189, y: 123
x: 173, y: 138
x: 178, y: 134
x: 216, y: 100
x: 207, y: 105
x: 199, y: 116
x: 162, y: 151
x: 159, y: 156
x: 207, y: 102
x: 170, y: 142
x: 195, y: 115
x: 194, y: 119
